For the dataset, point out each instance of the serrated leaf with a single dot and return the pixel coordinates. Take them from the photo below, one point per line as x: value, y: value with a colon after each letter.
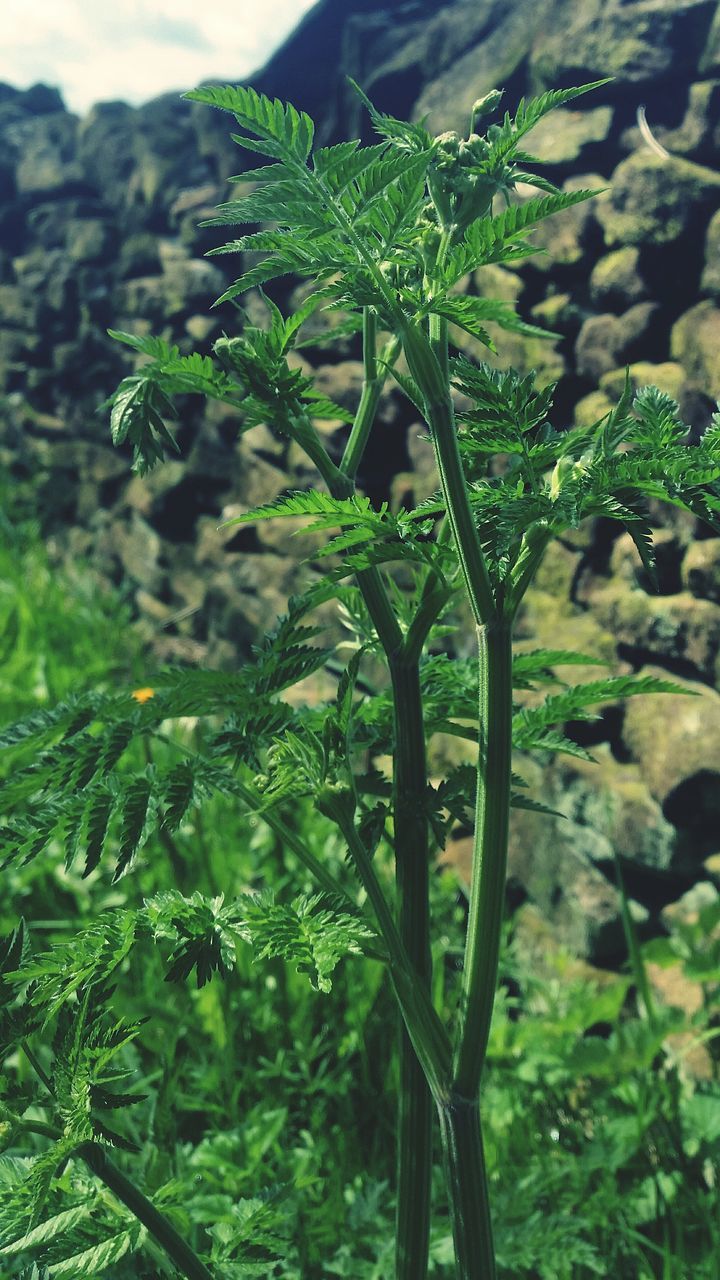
x: 47, y: 1231
x: 134, y: 813
x: 90, y: 1262
x: 519, y: 801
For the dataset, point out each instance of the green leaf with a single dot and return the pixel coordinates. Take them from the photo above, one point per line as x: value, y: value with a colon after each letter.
x: 576, y: 703
x: 309, y: 933
x: 281, y: 131
x: 90, y: 958
x: 49, y: 1230
x: 95, y: 1259
x: 135, y: 809
x: 537, y: 665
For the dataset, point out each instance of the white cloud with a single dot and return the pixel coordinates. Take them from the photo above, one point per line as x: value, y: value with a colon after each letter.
x: 97, y: 50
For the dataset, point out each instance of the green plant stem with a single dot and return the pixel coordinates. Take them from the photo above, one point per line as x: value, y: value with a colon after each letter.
x: 95, y: 1157
x: 635, y: 956
x: 459, y: 1114
x: 36, y: 1065
x: 373, y: 383
x: 428, y: 1036
x: 414, y: 1132
x: 487, y: 890
x: 415, y: 1119
x: 464, y: 1162
x: 427, y: 360
x: 184, y: 1258
x: 414, y: 1149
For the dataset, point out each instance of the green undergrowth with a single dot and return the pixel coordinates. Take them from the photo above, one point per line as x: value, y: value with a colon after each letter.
x: 261, y: 1104
x: 61, y: 632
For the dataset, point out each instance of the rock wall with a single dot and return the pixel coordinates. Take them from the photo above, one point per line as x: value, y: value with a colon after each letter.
x: 98, y: 227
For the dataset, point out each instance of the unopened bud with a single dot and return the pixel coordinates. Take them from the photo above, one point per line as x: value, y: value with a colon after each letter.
x: 448, y: 142
x: 485, y: 106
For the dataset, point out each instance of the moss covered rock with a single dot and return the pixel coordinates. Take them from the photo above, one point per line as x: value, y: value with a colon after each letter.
x: 591, y: 408
x: 616, y: 282
x: 657, y: 200
x: 566, y: 135
x: 695, y: 344
x: 677, y: 628
x: 554, y: 861
x: 675, y: 740
x: 615, y: 801
x: 637, y: 42
x: 606, y: 341
x: 668, y: 376
x: 563, y: 240
x: 710, y: 282
x: 701, y: 569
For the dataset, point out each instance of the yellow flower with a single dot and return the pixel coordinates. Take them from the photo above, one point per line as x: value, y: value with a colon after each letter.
x: 143, y: 695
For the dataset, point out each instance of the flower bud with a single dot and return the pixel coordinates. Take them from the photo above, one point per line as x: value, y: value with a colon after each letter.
x: 486, y: 105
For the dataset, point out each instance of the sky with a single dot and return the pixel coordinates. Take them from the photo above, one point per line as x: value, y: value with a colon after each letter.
x: 99, y: 50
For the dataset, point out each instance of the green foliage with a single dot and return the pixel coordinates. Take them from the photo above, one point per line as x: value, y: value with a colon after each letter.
x: 245, y: 1107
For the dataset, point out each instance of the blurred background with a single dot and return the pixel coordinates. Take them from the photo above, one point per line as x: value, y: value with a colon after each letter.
x: 105, y: 174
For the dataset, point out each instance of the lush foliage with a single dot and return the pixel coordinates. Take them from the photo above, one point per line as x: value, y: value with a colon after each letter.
x: 107, y: 780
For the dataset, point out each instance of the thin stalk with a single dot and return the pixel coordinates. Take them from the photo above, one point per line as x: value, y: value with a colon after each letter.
x: 460, y: 1117
x: 635, y: 956
x: 414, y: 1151
x: 487, y: 889
x: 184, y: 1258
x: 95, y: 1157
x: 459, y: 1114
x: 438, y: 333
x: 427, y: 358
x: 37, y: 1065
x: 424, y: 1027
x: 375, y: 373
x: 466, y: 1179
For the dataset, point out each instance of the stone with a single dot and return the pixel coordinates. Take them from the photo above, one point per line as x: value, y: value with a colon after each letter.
x: 613, y: 799
x: 90, y: 240
x: 138, y: 548
x: 668, y: 376
x: 46, y: 147
x: 541, y: 356
x: 558, y: 313
x: 17, y: 309
x: 626, y: 565
x: 639, y: 43
x: 688, y: 908
x: 675, y: 740
x: 563, y: 239
x: 696, y: 137
x: 139, y: 256
x: 567, y: 135
x: 710, y: 282
x: 709, y: 63
x: 106, y: 141
x: 191, y: 285
x: 676, y: 628
x: 466, y: 50
x: 553, y: 860
x: 605, y: 341
x: 145, y: 297
x: 203, y: 328
x: 701, y: 569
x: 493, y: 281
x: 695, y: 344
x: 616, y: 281
x: 658, y: 200
x: 592, y: 408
